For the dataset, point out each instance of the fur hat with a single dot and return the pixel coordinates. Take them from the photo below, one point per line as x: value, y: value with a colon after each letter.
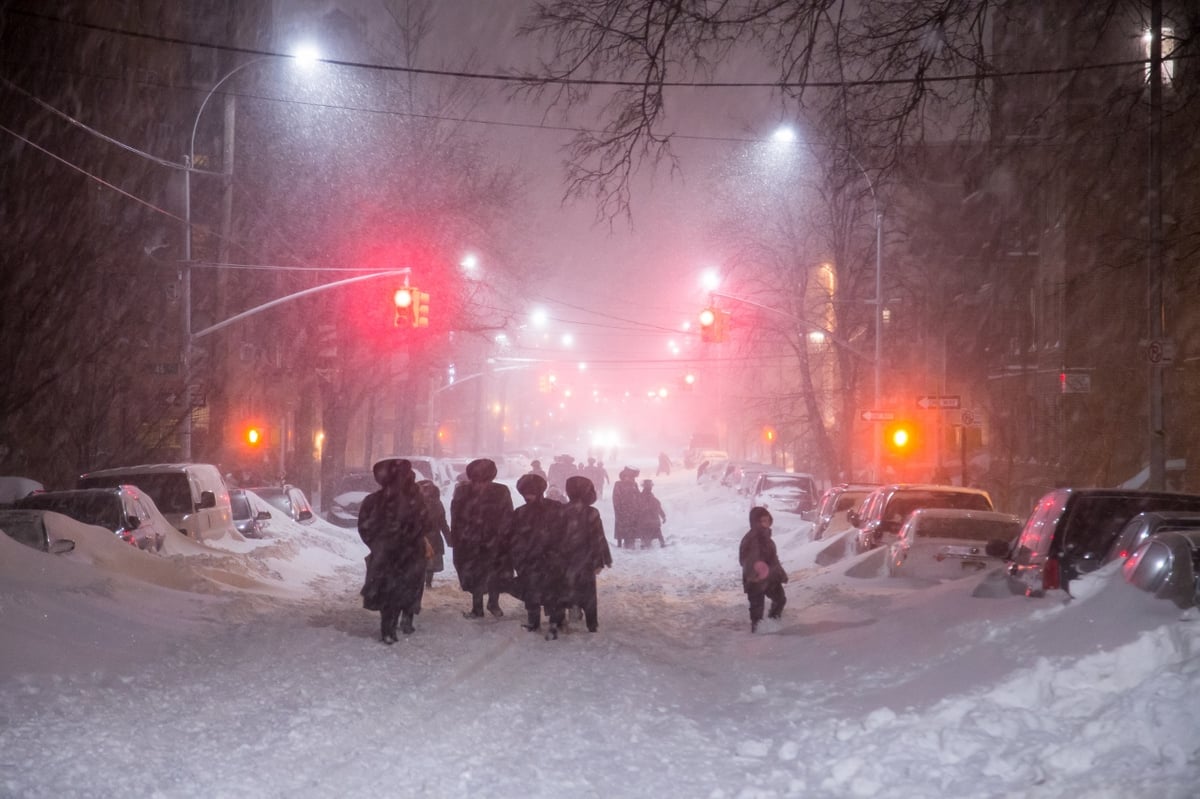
x: 647, y: 484
x: 481, y: 470
x: 580, y: 489
x: 531, y: 485
x: 629, y: 472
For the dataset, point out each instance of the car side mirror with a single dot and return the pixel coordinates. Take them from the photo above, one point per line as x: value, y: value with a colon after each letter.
x: 304, y: 515
x: 132, y: 522
x: 853, y: 518
x: 208, y: 499
x: 61, y: 546
x: 997, y: 548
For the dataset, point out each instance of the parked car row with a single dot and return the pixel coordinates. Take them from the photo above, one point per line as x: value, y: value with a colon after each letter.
x: 764, y: 485
x: 948, y: 531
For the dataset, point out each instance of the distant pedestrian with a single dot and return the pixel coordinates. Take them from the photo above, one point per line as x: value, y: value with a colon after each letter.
x: 437, y: 530
x: 537, y: 551
x: 762, y: 574
x: 392, y: 523
x: 602, y: 479
x: 480, y: 521
x: 664, y: 465
x: 586, y: 550
x: 535, y: 467
x: 625, y: 499
x: 651, y: 516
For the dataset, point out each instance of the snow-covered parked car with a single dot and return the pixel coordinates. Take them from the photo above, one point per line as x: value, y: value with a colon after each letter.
x: 790, y: 492
x: 30, y: 528
x: 1167, y: 564
x: 351, y: 490
x: 948, y: 543
x: 124, y: 510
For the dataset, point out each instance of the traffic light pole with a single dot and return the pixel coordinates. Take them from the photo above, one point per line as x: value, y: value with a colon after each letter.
x: 305, y: 293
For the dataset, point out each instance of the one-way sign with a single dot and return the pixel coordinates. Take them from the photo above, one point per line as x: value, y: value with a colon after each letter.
x: 877, y: 416
x: 946, y: 402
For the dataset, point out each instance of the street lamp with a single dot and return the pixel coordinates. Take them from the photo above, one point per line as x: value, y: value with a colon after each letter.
x: 787, y: 135
x: 304, y: 56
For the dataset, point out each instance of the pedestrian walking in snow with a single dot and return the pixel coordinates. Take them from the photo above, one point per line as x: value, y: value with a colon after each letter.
x: 763, y: 575
x: 602, y: 479
x: 664, y: 464
x: 626, y: 504
x: 651, y: 516
x: 537, y: 551
x: 585, y: 548
x: 392, y: 523
x: 480, y: 520
x: 535, y: 467
x: 437, y: 529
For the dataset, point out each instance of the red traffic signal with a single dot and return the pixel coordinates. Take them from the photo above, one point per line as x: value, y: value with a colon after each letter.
x: 713, y: 325
x: 403, y: 299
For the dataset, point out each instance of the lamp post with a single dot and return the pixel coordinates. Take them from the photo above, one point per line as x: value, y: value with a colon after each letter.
x: 787, y: 135
x: 304, y: 56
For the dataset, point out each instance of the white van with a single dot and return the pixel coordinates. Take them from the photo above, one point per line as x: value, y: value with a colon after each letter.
x: 192, y: 496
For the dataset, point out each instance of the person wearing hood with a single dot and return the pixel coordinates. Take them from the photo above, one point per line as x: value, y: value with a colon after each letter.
x: 585, y: 548
x: 392, y: 523
x: 437, y: 530
x: 535, y: 467
x: 480, y: 520
x: 651, y: 516
x: 537, y: 541
x: 626, y: 501
x: 763, y: 575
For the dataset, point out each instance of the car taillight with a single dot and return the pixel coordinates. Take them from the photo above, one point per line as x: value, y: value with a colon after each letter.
x: 1051, y: 575
x: 126, y: 536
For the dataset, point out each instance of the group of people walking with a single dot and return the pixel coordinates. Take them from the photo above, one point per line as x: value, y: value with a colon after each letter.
x: 638, y: 516
x: 545, y: 553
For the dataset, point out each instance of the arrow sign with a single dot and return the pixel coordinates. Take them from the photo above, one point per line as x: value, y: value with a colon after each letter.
x: 877, y: 416
x: 945, y: 402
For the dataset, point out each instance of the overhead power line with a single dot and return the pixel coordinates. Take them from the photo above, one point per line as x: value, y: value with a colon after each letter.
x: 559, y: 80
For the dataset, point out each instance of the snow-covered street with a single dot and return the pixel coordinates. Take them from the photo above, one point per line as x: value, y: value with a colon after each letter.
x: 243, y: 669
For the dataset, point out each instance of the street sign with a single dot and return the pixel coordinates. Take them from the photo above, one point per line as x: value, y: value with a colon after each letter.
x: 1161, y: 352
x: 971, y: 418
x: 945, y: 402
x: 877, y: 416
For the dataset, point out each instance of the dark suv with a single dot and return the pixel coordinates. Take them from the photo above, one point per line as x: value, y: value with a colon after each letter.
x: 1072, y: 529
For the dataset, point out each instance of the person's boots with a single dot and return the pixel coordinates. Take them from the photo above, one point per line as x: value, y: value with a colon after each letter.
x: 406, y: 624
x: 534, y: 622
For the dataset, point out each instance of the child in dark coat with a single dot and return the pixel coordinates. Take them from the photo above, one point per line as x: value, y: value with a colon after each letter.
x: 763, y: 575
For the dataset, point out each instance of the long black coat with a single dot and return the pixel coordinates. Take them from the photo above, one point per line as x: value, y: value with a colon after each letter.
x: 392, y: 525
x: 650, y: 516
x: 435, y: 532
x: 585, y: 552
x: 626, y: 499
x: 480, y: 528
x: 537, y: 550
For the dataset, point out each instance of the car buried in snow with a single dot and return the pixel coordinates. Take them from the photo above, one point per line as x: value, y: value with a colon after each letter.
x: 948, y: 543
x: 886, y: 509
x: 790, y: 492
x: 124, y: 510
x: 30, y: 528
x: 1167, y: 564
x: 289, y: 500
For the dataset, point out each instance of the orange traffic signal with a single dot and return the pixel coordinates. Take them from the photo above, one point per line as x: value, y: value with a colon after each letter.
x: 900, y: 438
x: 714, y: 324
x: 254, y: 436
x: 404, y: 299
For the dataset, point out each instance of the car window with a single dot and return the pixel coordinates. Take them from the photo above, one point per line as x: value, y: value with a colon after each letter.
x: 241, y: 504
x: 24, y: 527
x: 967, y: 529
x: 847, y: 500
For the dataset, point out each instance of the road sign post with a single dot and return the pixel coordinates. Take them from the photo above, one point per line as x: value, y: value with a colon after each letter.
x: 877, y: 416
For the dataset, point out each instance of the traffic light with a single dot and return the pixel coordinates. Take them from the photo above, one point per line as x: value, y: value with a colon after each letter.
x: 900, y: 438
x: 420, y: 316
x: 713, y: 325
x: 254, y: 436
x: 404, y: 300
x: 768, y: 434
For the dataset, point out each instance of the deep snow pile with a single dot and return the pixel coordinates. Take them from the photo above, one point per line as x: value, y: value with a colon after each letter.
x: 247, y: 668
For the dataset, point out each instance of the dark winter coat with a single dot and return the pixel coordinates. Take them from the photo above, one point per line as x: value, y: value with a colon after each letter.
x: 650, y: 516
x: 437, y: 532
x: 537, y: 550
x: 584, y: 545
x: 480, y: 525
x: 760, y: 561
x: 626, y: 499
x: 392, y: 523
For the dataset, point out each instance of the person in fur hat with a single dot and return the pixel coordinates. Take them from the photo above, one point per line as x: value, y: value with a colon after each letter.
x: 626, y: 501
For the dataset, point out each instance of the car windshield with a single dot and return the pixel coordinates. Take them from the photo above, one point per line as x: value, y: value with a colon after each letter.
x: 905, y: 502
x: 90, y: 507
x: 24, y: 527
x: 240, y: 503
x: 968, y: 529
x: 795, y: 483
x: 364, y: 482
x: 170, y: 491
